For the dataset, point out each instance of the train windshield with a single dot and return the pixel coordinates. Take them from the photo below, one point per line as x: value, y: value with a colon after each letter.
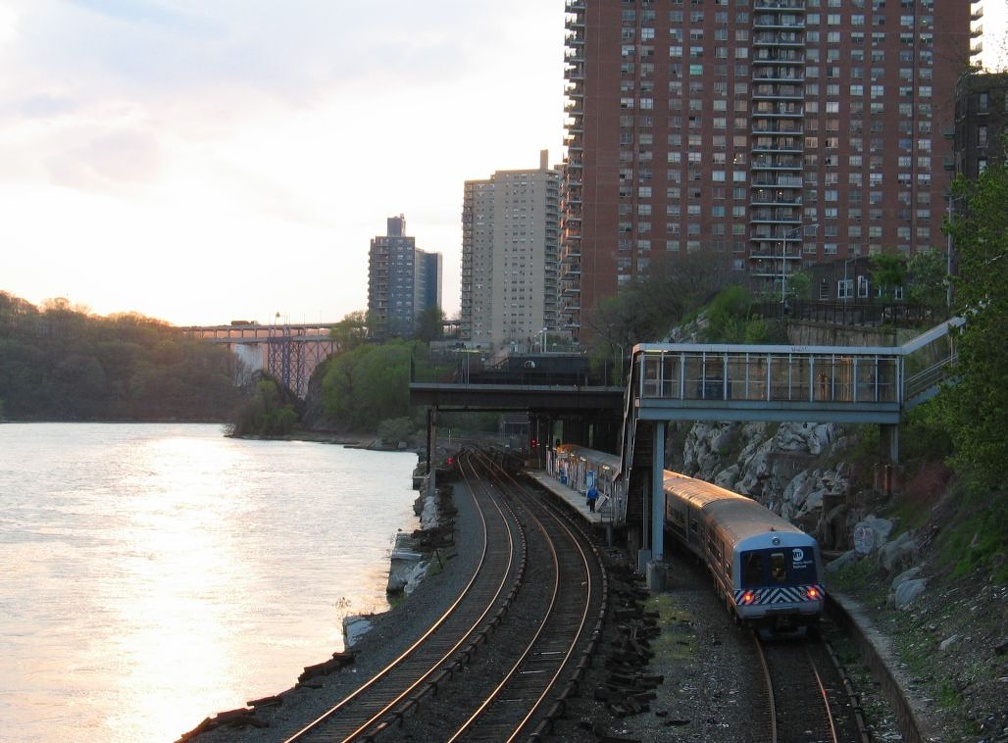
x: 790, y: 567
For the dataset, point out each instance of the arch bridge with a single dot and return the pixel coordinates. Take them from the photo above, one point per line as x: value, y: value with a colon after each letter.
x: 288, y: 352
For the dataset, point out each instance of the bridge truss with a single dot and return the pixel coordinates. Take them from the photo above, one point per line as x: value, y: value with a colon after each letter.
x: 288, y: 352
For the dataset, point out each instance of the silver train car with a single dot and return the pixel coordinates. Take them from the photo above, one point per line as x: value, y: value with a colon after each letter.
x: 766, y: 570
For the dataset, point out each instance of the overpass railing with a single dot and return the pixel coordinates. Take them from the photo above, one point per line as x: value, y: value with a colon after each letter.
x: 690, y: 372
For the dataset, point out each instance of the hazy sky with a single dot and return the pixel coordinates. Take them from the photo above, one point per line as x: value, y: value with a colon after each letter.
x: 200, y: 161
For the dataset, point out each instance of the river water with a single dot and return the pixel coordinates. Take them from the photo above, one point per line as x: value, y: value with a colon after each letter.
x: 154, y: 575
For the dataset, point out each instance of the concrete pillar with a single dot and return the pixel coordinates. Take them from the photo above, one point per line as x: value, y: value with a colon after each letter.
x: 889, y: 441
x: 658, y: 493
x: 431, y: 443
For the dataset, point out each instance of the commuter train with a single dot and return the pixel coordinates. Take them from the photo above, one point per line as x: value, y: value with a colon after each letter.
x: 768, y: 572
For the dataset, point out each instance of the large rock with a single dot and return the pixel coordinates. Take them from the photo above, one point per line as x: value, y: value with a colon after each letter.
x: 906, y: 587
x: 870, y: 533
x: 813, y: 438
x: 847, y: 558
x: 898, y: 554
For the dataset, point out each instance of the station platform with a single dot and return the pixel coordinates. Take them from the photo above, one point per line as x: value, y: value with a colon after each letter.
x: 575, y: 499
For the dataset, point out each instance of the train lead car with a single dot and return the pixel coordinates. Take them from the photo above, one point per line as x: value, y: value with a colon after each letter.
x: 767, y: 571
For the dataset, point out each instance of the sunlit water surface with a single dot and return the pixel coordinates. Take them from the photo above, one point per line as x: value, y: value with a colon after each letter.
x: 153, y: 575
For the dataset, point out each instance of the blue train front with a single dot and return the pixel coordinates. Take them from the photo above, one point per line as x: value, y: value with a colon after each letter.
x: 766, y: 570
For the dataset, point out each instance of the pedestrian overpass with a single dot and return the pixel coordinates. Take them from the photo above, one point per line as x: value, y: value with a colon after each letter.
x: 732, y: 382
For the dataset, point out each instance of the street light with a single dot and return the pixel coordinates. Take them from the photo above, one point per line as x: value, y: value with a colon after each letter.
x: 848, y: 290
x: 783, y: 279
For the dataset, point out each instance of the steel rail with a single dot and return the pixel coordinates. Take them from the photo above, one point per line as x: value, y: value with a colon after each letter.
x: 561, y: 597
x: 374, y: 719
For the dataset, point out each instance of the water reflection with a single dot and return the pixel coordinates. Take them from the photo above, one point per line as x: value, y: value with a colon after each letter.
x: 164, y: 573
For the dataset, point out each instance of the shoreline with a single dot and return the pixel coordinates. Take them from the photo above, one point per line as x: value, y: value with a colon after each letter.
x: 377, y: 638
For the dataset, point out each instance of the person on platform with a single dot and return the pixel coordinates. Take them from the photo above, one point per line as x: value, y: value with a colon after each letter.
x: 592, y: 496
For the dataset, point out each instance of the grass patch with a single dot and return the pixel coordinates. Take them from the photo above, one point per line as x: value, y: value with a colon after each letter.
x: 678, y: 639
x: 860, y: 578
x: 980, y: 535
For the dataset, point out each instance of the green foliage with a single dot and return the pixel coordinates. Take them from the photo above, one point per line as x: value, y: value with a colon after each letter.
x: 350, y: 332
x: 369, y: 384
x: 430, y: 324
x: 396, y: 430
x: 888, y: 272
x: 799, y: 285
x: 980, y: 539
x: 64, y: 364
x: 646, y: 310
x: 266, y: 413
x: 976, y: 407
x: 927, y: 276
x: 924, y: 436
x: 731, y: 318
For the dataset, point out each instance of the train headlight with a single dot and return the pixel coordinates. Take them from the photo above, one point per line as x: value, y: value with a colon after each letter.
x: 749, y: 597
x: 812, y: 593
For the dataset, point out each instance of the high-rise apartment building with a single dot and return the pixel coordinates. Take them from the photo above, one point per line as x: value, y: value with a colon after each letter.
x: 510, y: 239
x: 981, y: 123
x: 775, y: 133
x: 403, y: 281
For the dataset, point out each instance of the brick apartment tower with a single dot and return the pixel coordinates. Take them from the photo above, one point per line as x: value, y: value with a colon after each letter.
x: 510, y: 241
x: 777, y: 133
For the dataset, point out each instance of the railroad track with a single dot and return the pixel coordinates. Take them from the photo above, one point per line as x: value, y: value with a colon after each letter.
x: 809, y: 699
x: 499, y: 662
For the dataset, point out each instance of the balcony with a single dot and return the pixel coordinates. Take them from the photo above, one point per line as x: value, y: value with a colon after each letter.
x: 777, y: 5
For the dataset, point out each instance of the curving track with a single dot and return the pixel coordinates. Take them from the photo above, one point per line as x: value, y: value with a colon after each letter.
x: 809, y: 700
x: 499, y: 662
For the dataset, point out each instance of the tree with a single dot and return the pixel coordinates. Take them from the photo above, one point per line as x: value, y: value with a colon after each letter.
x: 731, y: 318
x: 888, y: 272
x: 370, y: 384
x: 648, y: 308
x: 430, y: 324
x: 976, y: 406
x: 927, y: 276
x: 351, y: 331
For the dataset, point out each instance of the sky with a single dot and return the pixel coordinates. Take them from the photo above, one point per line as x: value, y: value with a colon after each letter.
x: 203, y: 161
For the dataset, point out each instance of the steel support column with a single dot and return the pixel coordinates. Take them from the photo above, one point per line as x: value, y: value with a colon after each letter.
x: 658, y: 493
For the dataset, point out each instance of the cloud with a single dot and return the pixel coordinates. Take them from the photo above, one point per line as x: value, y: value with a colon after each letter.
x: 107, y: 161
x: 280, y: 129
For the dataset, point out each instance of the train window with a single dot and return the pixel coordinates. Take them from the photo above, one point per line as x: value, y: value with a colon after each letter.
x: 752, y: 569
x: 778, y: 568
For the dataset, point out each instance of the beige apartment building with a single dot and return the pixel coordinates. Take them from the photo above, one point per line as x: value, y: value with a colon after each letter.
x: 510, y: 239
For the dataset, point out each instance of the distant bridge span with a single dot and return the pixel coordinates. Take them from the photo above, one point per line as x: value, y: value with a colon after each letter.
x: 288, y: 352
